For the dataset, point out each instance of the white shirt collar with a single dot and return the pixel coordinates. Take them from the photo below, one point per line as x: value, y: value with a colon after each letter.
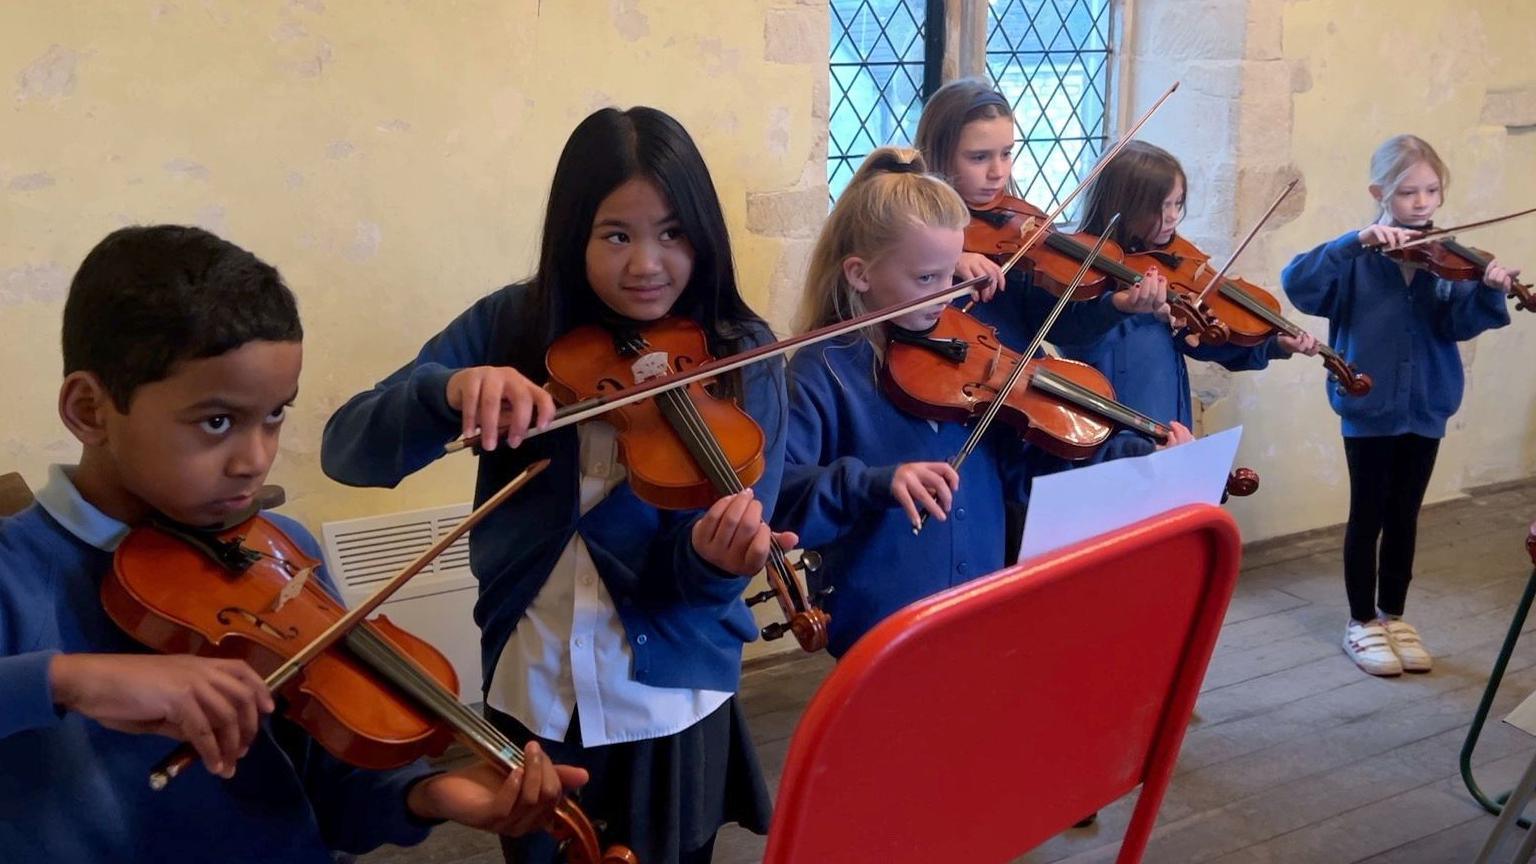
x: 63, y: 502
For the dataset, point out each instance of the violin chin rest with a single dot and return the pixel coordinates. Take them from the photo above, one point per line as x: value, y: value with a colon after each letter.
x: 270, y: 497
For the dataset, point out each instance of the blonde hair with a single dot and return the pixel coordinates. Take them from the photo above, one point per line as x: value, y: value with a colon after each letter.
x: 1393, y: 160
x: 891, y: 192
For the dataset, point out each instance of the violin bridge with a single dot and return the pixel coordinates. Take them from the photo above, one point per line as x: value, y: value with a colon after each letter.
x: 291, y: 589
x: 652, y: 365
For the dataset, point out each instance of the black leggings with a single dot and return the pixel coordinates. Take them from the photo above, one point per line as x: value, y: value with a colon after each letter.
x: 1387, y: 479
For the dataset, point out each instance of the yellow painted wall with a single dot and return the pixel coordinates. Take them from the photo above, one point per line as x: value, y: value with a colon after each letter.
x: 1275, y: 89
x: 1454, y: 73
x: 391, y: 158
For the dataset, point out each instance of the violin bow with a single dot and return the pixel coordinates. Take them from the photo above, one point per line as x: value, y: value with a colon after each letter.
x: 980, y: 429
x: 183, y: 756
x: 586, y: 410
x: 1252, y: 232
x: 589, y: 408
x: 1432, y: 233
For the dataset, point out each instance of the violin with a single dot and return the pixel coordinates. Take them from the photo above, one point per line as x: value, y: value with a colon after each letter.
x: 683, y: 448
x: 954, y: 371
x: 999, y: 232
x: 1450, y: 260
x: 377, y: 698
x: 1249, y: 314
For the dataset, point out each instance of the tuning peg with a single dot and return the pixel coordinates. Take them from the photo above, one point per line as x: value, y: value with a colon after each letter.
x: 760, y: 597
x: 775, y: 630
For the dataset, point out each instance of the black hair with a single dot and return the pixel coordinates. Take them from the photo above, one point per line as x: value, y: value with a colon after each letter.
x: 148, y: 297
x: 606, y: 150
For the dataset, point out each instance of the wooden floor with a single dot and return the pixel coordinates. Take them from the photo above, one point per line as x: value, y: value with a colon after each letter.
x: 1295, y: 756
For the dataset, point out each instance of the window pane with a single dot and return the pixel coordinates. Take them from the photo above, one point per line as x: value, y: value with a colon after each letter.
x: 877, y: 81
x: 1050, y: 58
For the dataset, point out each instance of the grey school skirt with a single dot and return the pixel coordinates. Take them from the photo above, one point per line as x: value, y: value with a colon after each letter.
x: 664, y: 798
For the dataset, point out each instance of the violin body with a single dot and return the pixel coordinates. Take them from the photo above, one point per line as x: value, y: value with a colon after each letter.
x: 175, y: 599
x: 250, y: 593
x: 684, y: 449
x: 1000, y: 232
x: 1055, y: 260
x: 1243, y: 313
x: 1456, y: 262
x: 663, y: 469
x: 1188, y: 270
x: 927, y: 384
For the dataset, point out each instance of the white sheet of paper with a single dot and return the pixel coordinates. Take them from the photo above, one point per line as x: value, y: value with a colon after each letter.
x: 1079, y: 503
x: 1524, y: 715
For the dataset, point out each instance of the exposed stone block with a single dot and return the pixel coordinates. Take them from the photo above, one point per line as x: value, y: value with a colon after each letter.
x: 796, y: 35
x: 791, y: 213
x: 1513, y: 109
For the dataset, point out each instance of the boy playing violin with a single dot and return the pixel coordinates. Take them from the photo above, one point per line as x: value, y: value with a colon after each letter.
x: 181, y: 357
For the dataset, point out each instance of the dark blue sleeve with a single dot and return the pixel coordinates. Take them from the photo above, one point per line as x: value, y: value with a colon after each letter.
x: 822, y: 496
x: 1316, y: 281
x: 385, y: 434
x: 1469, y: 308
x: 1238, y: 358
x: 24, y: 679
x: 1020, y: 463
x: 357, y: 810
x: 698, y: 581
x: 28, y: 702
x: 1082, y: 322
x: 1019, y: 312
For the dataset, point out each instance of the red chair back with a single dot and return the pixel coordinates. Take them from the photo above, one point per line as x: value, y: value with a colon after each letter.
x: 976, y: 724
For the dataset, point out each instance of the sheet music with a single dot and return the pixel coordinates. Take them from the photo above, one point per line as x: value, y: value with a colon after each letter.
x: 1076, y: 504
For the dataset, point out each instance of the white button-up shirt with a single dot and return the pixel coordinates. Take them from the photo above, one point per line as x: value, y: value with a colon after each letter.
x: 569, y: 650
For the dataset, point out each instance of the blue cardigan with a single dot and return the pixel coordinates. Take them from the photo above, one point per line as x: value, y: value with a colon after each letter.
x: 1401, y: 333
x: 1018, y: 313
x: 1135, y: 352
x: 1148, y: 366
x: 845, y: 442
x: 72, y: 790
x: 684, y: 618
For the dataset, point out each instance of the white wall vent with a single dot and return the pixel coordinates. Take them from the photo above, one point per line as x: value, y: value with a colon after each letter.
x: 437, y: 603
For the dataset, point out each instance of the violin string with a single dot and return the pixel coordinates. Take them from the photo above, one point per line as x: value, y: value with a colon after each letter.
x: 1019, y: 367
x: 726, y: 480
x: 372, y: 647
x: 1117, y: 412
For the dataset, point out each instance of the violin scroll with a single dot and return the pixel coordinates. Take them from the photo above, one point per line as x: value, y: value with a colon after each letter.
x: 802, y: 617
x: 1195, y: 318
x: 1242, y: 482
x: 1521, y: 294
x: 1351, y: 381
x: 578, y: 841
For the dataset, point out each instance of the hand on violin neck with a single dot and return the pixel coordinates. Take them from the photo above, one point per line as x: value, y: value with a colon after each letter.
x: 732, y: 535
x: 1303, y: 343
x: 1495, y: 275
x: 213, y: 704
x: 1382, y: 237
x: 483, y: 796
x: 1148, y: 295
x: 929, y: 485
x: 492, y: 398
x: 1178, y: 434
x: 972, y: 265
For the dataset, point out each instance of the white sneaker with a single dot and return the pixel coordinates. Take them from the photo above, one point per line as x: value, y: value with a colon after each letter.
x: 1370, y: 646
x: 1408, y: 646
